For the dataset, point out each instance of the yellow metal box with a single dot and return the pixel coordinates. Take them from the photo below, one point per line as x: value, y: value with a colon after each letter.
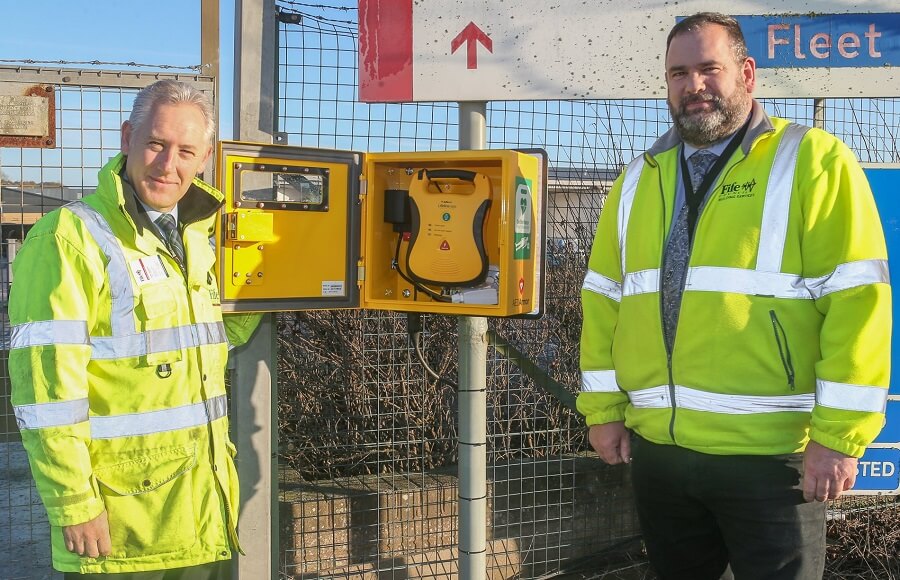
x: 458, y: 232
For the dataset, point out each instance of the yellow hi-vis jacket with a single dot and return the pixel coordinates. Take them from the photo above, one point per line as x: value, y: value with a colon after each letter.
x: 117, y: 363
x: 785, y: 322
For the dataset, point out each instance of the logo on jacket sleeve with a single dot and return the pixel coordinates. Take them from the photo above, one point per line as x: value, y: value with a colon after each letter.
x: 735, y: 190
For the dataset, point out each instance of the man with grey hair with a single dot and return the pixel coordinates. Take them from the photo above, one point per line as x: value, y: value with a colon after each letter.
x: 118, y: 353
x: 737, y: 320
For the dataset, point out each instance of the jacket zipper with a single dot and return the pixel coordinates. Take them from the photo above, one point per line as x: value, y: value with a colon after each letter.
x: 784, y: 350
x: 693, y: 236
x: 662, y: 316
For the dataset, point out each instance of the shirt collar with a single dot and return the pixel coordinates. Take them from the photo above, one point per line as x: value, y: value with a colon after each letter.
x: 718, y: 147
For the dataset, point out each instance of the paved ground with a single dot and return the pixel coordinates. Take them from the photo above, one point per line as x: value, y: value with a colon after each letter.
x: 24, y: 532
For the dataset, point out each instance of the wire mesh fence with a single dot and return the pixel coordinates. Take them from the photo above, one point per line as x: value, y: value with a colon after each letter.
x: 372, y: 436
x: 90, y: 109
x: 367, y: 439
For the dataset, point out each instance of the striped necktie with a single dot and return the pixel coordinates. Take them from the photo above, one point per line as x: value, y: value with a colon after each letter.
x: 169, y: 229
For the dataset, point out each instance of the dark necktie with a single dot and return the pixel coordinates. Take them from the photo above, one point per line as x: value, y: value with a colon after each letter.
x: 169, y: 229
x: 679, y: 244
x: 701, y: 161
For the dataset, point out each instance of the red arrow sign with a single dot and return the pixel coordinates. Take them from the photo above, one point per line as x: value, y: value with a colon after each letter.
x: 469, y: 35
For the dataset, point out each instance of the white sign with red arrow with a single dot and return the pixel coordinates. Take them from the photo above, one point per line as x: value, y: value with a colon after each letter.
x: 412, y: 50
x: 471, y: 35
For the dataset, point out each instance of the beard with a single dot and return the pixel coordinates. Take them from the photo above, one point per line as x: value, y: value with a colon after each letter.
x: 706, y: 127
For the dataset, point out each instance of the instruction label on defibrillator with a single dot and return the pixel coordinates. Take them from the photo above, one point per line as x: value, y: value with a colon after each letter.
x: 522, y: 224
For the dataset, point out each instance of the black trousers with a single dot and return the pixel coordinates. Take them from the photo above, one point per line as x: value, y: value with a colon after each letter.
x: 706, y: 517
x: 220, y: 570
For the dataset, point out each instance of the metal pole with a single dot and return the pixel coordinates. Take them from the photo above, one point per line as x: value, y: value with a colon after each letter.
x: 254, y: 381
x: 819, y: 113
x: 472, y: 400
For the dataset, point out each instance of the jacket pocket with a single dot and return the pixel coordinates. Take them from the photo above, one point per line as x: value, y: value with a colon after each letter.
x: 784, y: 350
x: 158, y: 314
x: 150, y: 504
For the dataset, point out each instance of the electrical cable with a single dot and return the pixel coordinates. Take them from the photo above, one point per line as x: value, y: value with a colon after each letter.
x: 414, y: 327
x: 395, y: 264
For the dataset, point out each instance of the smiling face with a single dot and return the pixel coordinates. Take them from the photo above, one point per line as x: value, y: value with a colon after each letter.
x: 708, y: 89
x: 165, y: 153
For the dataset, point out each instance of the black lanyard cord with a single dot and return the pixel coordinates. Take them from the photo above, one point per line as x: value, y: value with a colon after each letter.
x: 694, y: 199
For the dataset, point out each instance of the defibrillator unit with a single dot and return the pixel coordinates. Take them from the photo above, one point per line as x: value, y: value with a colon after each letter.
x: 457, y: 232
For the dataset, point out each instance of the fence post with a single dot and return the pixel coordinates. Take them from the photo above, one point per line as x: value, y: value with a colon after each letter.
x: 472, y: 400
x: 254, y: 381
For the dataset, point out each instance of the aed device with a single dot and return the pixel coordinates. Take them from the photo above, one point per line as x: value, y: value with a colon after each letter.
x: 450, y: 232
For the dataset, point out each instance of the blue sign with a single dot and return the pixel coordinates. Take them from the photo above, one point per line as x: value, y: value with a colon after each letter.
x: 878, y: 470
x: 885, y: 183
x: 891, y: 431
x: 823, y: 40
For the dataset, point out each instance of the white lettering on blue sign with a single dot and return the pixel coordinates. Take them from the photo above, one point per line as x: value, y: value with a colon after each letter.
x: 878, y: 471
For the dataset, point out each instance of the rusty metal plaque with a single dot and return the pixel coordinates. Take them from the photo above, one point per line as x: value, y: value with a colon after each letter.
x: 27, y: 115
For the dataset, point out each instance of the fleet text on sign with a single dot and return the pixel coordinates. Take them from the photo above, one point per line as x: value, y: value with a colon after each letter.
x: 823, y: 40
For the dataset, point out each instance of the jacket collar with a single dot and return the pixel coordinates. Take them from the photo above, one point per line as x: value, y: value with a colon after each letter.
x: 759, y: 124
x: 200, y: 202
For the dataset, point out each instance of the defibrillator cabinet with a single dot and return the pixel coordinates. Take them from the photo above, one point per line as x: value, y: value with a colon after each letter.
x: 457, y: 232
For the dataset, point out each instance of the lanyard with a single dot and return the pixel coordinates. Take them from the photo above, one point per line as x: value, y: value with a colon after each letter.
x: 694, y: 199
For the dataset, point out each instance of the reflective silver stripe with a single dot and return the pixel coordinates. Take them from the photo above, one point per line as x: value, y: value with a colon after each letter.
x: 55, y: 414
x: 641, y: 282
x: 134, y: 424
x: 849, y: 397
x: 156, y: 341
x: 629, y: 190
x: 125, y: 340
x: 599, y: 382
x: 850, y: 275
x: 756, y: 283
x: 600, y: 284
x: 47, y: 332
x: 773, y: 230
x: 687, y: 398
x: 121, y: 320
x: 750, y: 282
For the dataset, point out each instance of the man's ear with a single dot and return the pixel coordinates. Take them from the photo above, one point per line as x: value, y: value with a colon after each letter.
x: 126, y: 137
x: 749, y: 74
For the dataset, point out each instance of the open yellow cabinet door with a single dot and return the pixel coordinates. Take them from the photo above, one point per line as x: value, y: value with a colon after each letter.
x: 450, y: 232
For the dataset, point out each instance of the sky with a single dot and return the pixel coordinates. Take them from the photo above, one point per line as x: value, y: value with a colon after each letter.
x: 161, y: 32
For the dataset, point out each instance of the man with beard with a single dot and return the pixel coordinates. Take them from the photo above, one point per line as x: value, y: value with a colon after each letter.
x: 736, y: 338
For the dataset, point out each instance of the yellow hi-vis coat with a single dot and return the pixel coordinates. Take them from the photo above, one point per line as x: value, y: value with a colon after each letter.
x: 117, y: 364
x: 785, y: 322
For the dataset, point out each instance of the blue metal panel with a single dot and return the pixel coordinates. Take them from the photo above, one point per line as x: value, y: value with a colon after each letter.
x: 879, y: 471
x: 885, y: 184
x: 891, y: 431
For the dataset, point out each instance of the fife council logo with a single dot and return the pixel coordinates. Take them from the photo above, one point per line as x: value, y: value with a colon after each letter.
x: 735, y: 190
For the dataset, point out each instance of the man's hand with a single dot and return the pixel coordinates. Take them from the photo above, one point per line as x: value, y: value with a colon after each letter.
x: 90, y: 538
x: 611, y: 441
x: 826, y: 473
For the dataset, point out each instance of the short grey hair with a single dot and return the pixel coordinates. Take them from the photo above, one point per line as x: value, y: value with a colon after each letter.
x: 172, y: 93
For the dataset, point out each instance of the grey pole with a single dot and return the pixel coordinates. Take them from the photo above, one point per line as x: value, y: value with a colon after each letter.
x: 254, y: 381
x: 472, y: 399
x: 819, y: 113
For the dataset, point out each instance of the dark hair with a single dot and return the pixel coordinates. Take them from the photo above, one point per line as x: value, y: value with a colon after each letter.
x: 697, y: 21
